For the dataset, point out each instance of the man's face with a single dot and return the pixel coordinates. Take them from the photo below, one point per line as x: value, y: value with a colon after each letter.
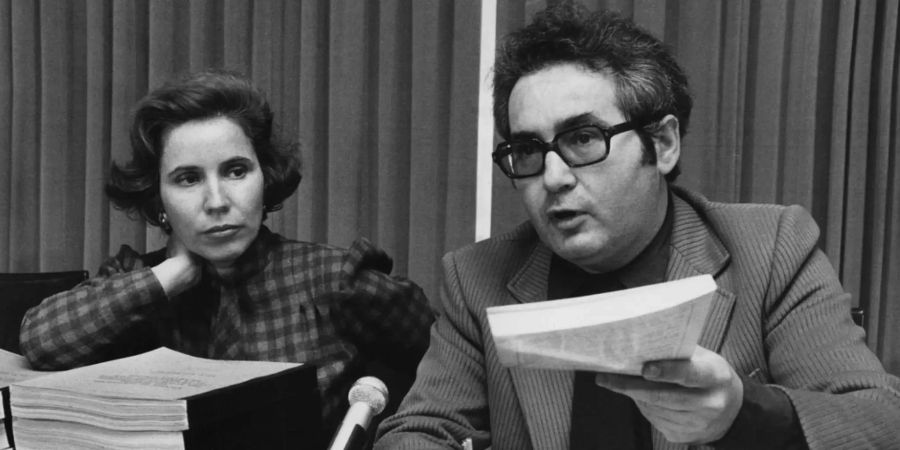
x: 600, y: 216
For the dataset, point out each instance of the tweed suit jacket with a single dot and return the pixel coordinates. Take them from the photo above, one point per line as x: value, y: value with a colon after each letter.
x: 779, y: 315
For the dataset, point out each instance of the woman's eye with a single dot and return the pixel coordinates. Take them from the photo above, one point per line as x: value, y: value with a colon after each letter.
x: 187, y: 179
x: 237, y: 171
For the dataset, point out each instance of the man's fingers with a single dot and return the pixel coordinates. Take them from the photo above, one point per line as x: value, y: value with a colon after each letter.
x: 701, y: 371
x: 661, y: 395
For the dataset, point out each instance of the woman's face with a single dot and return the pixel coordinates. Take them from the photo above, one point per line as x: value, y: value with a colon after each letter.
x: 211, y: 187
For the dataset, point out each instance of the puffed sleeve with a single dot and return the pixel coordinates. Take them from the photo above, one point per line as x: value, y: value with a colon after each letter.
x: 384, y: 315
x: 102, y: 318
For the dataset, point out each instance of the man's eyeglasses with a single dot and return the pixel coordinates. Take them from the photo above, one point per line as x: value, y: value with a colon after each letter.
x: 577, y: 147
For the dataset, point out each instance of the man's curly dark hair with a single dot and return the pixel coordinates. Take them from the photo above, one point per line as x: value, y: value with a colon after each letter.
x: 134, y: 186
x: 650, y: 83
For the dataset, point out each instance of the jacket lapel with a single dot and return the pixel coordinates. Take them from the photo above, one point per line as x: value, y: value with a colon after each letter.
x: 546, y: 400
x: 545, y: 395
x: 529, y: 284
x: 697, y: 251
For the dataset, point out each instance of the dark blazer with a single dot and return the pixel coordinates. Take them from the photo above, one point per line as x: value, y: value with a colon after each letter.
x: 779, y: 315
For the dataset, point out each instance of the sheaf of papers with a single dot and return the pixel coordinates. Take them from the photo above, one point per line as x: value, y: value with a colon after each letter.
x: 612, y: 332
x: 141, y: 392
x: 13, y: 368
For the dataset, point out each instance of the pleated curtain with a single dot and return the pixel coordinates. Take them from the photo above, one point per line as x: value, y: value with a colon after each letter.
x: 796, y: 102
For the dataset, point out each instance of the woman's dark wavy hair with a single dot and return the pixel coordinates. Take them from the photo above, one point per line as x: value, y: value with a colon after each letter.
x: 134, y: 186
x: 650, y: 83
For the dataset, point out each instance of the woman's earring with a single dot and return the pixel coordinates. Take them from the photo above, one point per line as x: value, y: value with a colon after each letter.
x: 164, y: 221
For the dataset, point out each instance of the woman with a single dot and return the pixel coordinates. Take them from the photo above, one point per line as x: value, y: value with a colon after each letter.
x: 206, y: 169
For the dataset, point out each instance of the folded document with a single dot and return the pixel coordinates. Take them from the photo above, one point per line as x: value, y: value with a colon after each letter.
x: 612, y: 332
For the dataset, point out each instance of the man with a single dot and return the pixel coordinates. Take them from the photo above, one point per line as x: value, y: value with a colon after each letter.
x: 593, y: 110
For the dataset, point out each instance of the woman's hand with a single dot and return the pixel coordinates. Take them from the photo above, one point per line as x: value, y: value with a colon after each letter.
x: 180, y: 271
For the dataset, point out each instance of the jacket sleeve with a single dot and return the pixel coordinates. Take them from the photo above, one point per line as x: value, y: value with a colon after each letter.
x: 841, y: 393
x: 103, y: 318
x: 448, y: 401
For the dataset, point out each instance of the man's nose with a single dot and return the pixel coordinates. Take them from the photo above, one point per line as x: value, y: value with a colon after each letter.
x: 216, y: 200
x: 557, y: 174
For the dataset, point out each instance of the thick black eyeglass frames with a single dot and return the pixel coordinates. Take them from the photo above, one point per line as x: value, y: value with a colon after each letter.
x: 578, y: 147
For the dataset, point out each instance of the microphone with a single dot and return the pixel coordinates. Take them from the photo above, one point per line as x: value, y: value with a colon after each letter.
x: 368, y: 397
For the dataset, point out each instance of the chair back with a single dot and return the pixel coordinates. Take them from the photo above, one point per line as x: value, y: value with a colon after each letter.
x: 21, y: 291
x: 859, y: 316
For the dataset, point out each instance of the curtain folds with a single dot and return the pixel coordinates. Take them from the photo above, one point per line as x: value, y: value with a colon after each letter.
x: 796, y: 102
x: 381, y: 95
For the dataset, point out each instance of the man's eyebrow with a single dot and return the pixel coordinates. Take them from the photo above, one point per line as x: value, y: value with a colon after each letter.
x: 579, y: 120
x: 524, y: 135
x: 561, y: 125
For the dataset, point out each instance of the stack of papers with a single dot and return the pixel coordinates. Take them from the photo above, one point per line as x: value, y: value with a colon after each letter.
x: 140, y: 402
x: 613, y: 332
x: 13, y: 368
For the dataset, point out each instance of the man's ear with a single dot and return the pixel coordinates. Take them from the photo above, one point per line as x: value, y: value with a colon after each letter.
x: 668, y: 144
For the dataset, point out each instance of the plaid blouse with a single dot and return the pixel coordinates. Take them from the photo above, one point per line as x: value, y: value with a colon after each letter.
x: 287, y: 301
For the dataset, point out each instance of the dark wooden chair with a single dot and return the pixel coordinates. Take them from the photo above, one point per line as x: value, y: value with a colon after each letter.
x: 21, y: 291
x: 859, y: 316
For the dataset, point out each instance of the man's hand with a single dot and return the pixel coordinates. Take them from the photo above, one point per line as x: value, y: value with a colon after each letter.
x: 180, y: 270
x: 689, y: 401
